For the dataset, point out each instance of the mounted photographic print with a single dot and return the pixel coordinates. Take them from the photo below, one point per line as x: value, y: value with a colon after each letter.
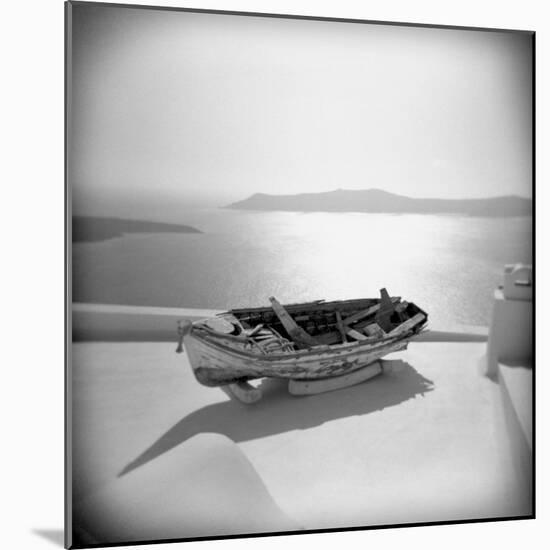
x: 300, y: 294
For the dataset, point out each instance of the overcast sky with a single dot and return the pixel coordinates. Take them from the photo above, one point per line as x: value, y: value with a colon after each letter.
x: 217, y: 106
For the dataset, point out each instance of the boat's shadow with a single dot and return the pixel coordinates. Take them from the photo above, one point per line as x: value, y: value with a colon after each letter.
x: 279, y: 412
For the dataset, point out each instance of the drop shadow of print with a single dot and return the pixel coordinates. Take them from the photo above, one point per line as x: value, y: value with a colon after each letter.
x: 280, y: 412
x: 55, y: 536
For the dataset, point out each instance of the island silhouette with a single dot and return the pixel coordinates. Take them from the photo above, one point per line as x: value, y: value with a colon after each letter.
x: 95, y: 229
x: 379, y: 201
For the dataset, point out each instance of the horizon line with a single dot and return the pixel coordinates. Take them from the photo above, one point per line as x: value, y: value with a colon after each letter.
x: 512, y: 195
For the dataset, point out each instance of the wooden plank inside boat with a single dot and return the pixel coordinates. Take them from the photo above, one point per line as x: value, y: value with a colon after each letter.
x: 385, y: 311
x: 366, y: 312
x: 374, y: 330
x: 340, y: 326
x: 356, y: 335
x: 300, y: 337
x: 407, y: 325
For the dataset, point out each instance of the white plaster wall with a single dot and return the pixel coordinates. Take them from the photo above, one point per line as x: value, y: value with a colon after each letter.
x: 510, y: 332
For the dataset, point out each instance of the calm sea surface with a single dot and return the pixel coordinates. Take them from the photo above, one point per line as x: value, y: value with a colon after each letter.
x: 448, y: 265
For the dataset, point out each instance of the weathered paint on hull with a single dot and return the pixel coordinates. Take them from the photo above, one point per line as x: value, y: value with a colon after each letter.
x: 215, y: 364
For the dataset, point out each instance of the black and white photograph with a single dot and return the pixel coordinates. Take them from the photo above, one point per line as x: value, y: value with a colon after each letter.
x: 300, y: 274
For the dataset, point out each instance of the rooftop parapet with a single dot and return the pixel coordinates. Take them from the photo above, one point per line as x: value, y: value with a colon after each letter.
x: 518, y: 282
x: 510, y: 331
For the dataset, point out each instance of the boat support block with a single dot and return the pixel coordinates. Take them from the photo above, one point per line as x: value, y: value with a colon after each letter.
x: 243, y: 392
x: 312, y: 387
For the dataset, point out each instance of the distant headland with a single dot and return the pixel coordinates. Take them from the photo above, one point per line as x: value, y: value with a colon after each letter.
x: 378, y: 201
x: 88, y: 229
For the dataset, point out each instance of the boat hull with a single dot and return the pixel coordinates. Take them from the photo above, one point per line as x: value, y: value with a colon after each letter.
x: 216, y: 363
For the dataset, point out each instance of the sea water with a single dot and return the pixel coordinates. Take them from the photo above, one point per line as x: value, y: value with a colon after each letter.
x: 448, y: 265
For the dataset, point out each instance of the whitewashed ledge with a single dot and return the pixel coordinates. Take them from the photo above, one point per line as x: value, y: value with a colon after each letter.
x: 516, y: 388
x: 119, y: 323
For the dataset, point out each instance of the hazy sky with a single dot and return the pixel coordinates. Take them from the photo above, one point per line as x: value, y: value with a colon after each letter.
x: 214, y: 106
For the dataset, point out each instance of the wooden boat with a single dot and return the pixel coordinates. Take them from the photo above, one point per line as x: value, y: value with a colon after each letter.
x: 309, y: 341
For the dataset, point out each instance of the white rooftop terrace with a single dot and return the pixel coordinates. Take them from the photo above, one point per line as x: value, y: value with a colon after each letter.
x: 431, y: 439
